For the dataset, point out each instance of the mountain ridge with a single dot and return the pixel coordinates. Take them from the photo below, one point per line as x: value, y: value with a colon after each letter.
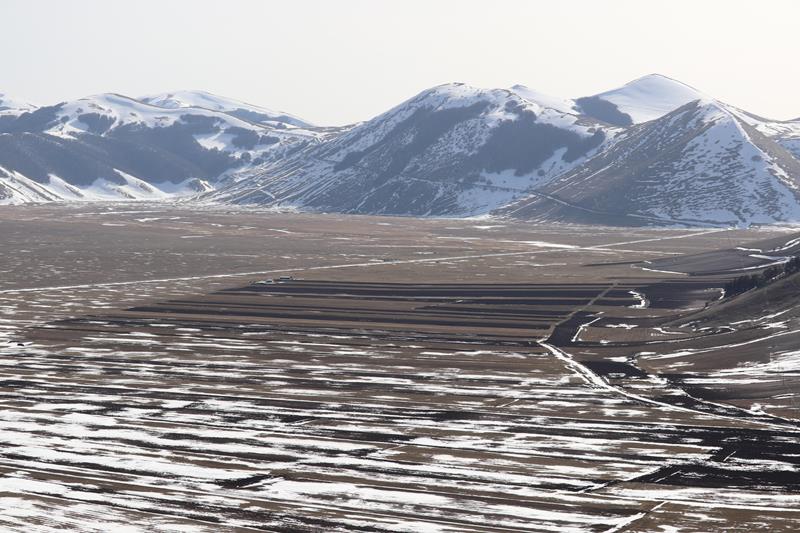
x: 450, y: 150
x: 128, y: 149
x: 213, y: 102
x: 443, y: 152
x: 699, y: 164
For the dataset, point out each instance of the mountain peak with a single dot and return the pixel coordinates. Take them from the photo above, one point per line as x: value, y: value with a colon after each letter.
x: 641, y: 100
x: 655, y: 77
x: 545, y: 100
x: 193, y: 98
x: 455, y: 89
x: 659, y: 85
x: 698, y: 164
x: 453, y: 95
x: 7, y: 103
x: 213, y: 102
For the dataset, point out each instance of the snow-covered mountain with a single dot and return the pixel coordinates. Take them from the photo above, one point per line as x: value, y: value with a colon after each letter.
x: 652, y: 151
x: 111, y: 146
x: 646, y: 98
x: 784, y: 132
x: 451, y: 150
x: 565, y: 105
x: 701, y: 163
x: 244, y: 111
x: 9, y: 105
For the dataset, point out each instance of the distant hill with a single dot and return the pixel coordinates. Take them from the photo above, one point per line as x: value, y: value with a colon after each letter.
x: 111, y: 147
x: 654, y: 151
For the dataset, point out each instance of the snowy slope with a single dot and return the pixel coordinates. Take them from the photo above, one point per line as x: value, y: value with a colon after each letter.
x: 784, y: 132
x: 114, y: 115
x: 12, y: 105
x: 564, y: 105
x: 652, y: 151
x: 699, y: 164
x: 16, y: 188
x: 641, y: 100
x: 113, y: 139
x: 242, y: 110
x: 102, y: 113
x: 451, y: 150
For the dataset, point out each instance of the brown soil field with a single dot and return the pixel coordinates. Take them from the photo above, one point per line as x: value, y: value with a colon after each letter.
x: 413, y: 375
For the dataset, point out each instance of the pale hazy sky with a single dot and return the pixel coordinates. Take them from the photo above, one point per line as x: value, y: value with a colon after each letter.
x: 340, y: 61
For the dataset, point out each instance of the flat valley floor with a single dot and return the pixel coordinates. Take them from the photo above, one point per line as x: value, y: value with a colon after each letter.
x: 414, y: 375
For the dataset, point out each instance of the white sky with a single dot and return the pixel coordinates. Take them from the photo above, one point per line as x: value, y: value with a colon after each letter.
x: 340, y: 61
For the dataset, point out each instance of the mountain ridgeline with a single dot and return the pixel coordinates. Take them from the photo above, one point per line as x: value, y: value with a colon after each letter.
x: 453, y: 150
x: 111, y: 147
x: 654, y: 151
